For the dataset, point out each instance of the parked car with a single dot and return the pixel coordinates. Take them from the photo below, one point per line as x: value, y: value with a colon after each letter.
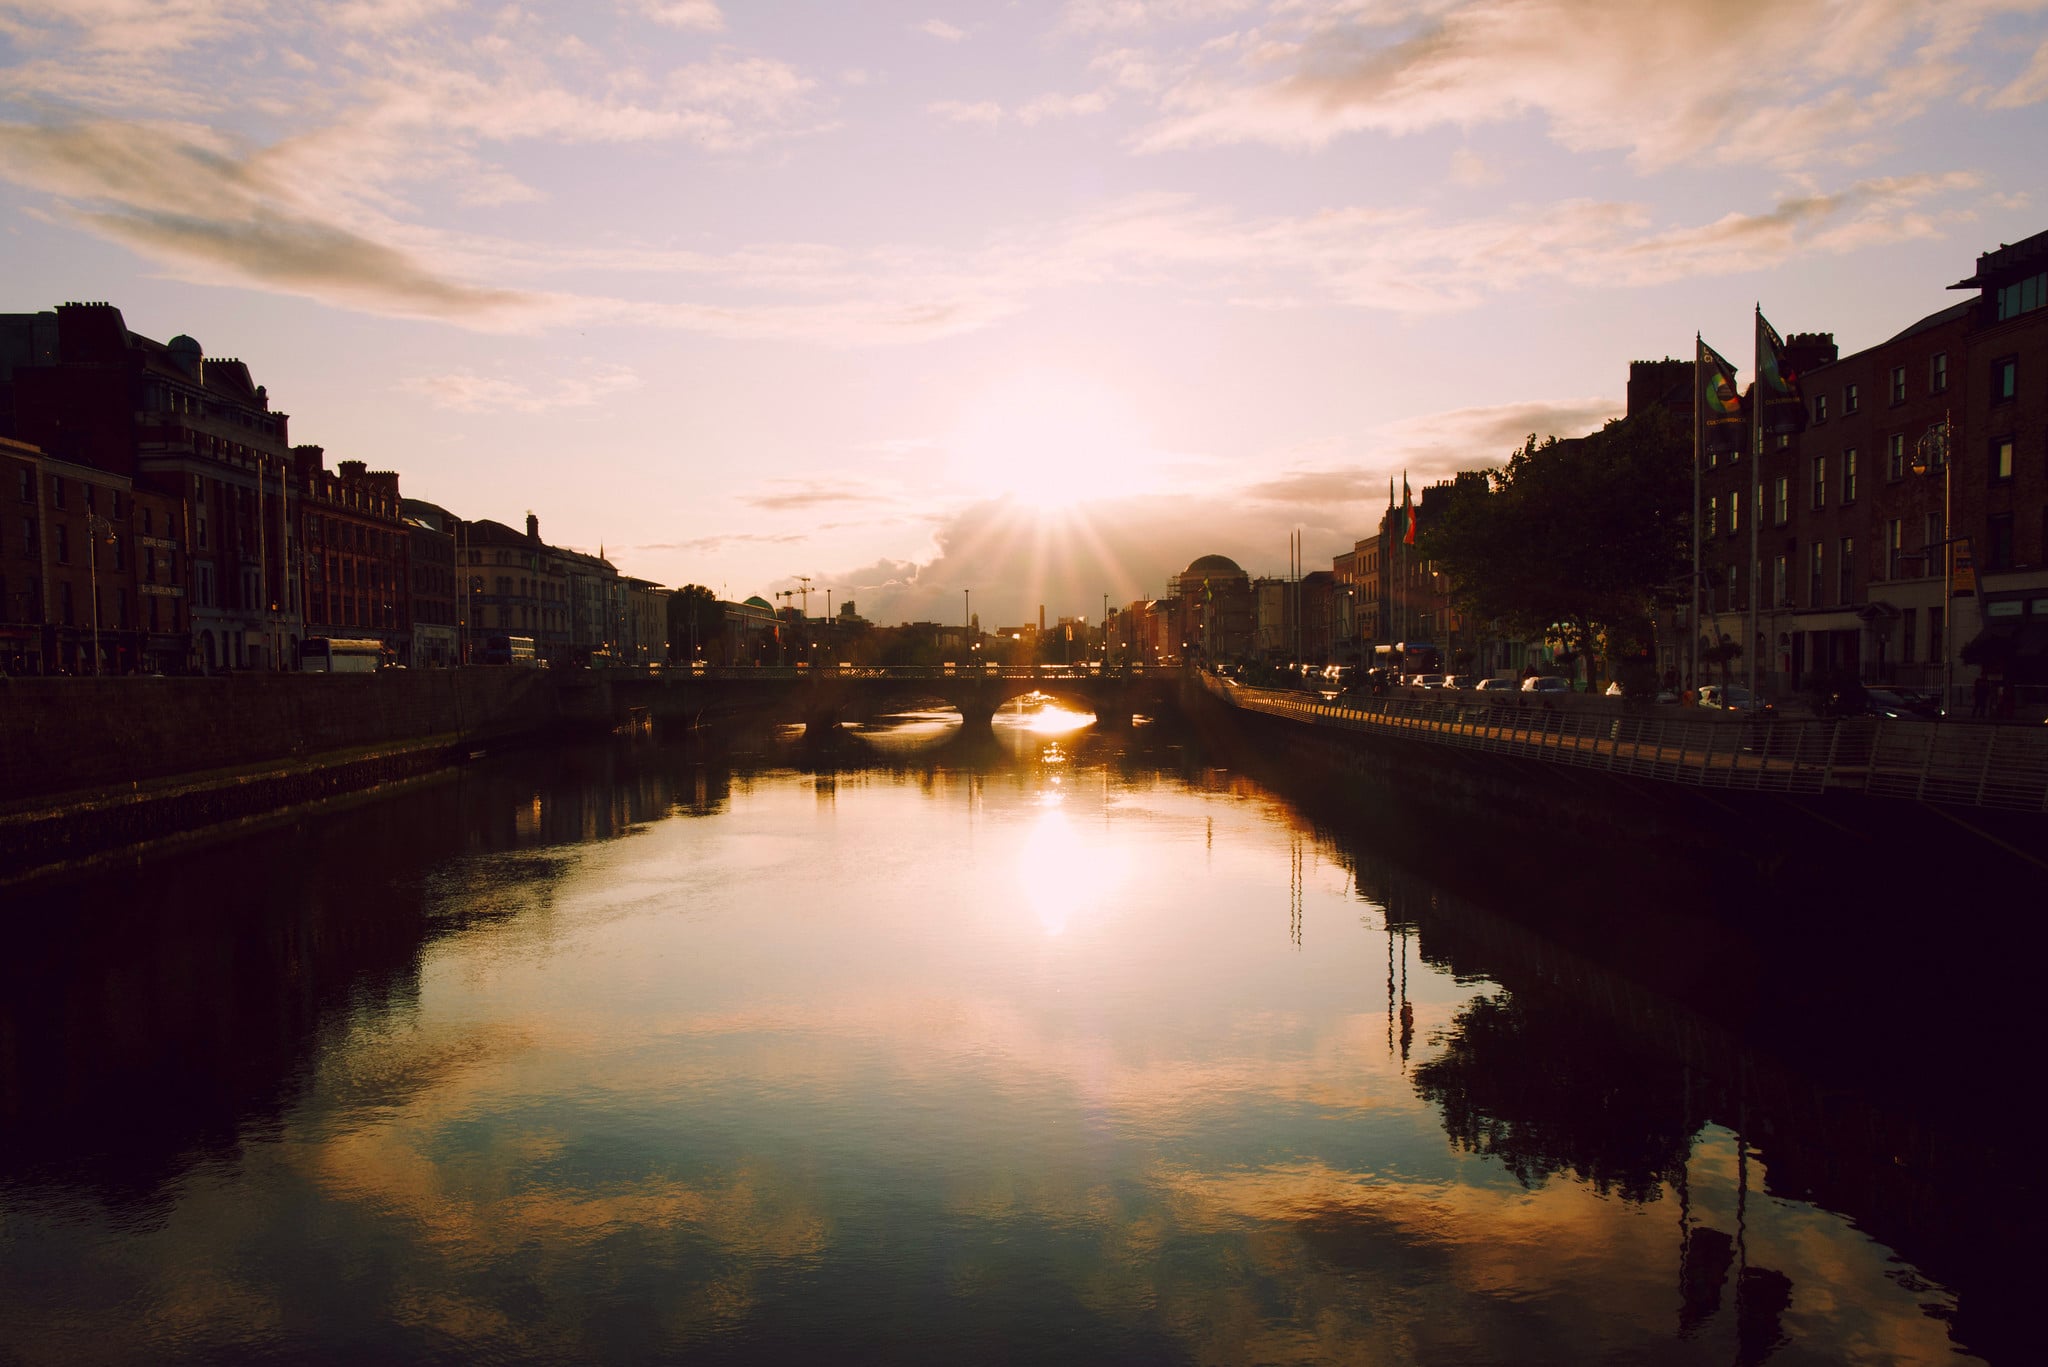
x: 1732, y: 699
x: 1495, y: 686
x: 1546, y: 683
x: 1883, y: 702
x: 1458, y: 681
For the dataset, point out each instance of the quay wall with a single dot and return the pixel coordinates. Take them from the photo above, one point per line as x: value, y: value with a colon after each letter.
x: 65, y: 736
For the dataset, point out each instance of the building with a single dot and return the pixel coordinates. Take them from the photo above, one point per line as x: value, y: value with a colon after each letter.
x: 645, y: 639
x: 1217, y: 618
x: 1999, y: 476
x: 78, y: 384
x: 358, y: 553
x: 91, y: 572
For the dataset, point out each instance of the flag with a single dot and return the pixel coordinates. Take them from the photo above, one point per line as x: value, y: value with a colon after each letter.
x: 1408, y: 506
x: 1781, y: 408
x: 1720, y: 401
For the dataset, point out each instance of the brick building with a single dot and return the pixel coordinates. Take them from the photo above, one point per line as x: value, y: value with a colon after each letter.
x: 358, y: 553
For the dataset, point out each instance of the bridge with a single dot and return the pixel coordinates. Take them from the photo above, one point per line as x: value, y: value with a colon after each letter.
x: 821, y: 697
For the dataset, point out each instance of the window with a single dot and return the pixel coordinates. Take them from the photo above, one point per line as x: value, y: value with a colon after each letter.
x: 1849, y: 398
x: 2005, y: 377
x: 1845, y: 572
x: 1937, y: 373
x: 1849, y: 475
x: 28, y: 537
x: 63, y: 544
x: 1733, y: 596
x: 1820, y: 482
x: 1713, y: 515
x: 1998, y: 550
x: 1930, y: 537
x: 1936, y: 639
x: 1820, y: 408
x: 1894, y: 546
x: 1781, y: 570
x: 1781, y: 506
x: 2001, y: 458
x: 120, y: 554
x: 56, y: 491
x: 202, y: 529
x: 1898, y: 384
x: 1734, y: 513
x: 1895, y: 456
x: 1908, y: 620
x: 28, y: 485
x: 2022, y: 296
x: 114, y: 501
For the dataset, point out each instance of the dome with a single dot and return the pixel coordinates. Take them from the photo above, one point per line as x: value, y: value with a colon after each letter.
x: 758, y: 602
x: 1214, y: 564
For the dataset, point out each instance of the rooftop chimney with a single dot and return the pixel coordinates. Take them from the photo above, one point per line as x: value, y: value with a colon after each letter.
x: 532, y: 527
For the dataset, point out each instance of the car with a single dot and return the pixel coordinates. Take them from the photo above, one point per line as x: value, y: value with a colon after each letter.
x: 1729, y: 698
x: 1883, y: 702
x: 1495, y: 686
x: 1462, y: 682
x: 1546, y: 683
x: 1615, y: 690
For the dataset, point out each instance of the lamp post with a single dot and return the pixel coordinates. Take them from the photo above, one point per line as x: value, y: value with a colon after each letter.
x: 1932, y: 449
x: 95, y: 528
x: 967, y: 616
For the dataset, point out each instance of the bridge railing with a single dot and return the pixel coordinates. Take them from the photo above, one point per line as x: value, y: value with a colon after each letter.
x: 1985, y: 766
x: 908, y: 672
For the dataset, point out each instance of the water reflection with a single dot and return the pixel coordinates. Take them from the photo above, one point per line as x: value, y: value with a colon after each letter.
x: 1038, y: 1045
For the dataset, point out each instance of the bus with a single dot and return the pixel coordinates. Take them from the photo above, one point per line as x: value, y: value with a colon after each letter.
x: 510, y: 650
x: 332, y: 655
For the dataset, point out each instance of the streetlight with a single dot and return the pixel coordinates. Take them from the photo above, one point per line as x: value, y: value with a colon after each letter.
x: 95, y: 528
x: 1931, y: 449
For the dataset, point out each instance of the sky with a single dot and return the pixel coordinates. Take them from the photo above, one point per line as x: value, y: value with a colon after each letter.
x: 999, y: 304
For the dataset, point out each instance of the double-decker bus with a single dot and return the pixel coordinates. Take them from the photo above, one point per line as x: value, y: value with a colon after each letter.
x: 333, y: 655
x: 510, y: 650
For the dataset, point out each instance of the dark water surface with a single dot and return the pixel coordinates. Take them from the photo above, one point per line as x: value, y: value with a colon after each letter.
x: 1064, y: 1047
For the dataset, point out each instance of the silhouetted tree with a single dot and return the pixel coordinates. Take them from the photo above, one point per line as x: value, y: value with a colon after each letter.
x: 1570, y: 537
x: 694, y: 619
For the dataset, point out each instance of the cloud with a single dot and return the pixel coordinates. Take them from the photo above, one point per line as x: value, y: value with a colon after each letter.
x: 1733, y: 81
x: 2030, y: 87
x: 123, y: 27
x: 940, y: 29
x: 986, y: 112
x: 1470, y: 169
x: 467, y: 392
x: 183, y: 196
x: 1102, y: 16
x: 702, y: 15
x: 812, y: 495
x: 1062, y: 107
x: 387, y: 16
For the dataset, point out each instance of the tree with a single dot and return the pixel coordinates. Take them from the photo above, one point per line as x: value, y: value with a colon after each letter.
x: 1571, y: 540
x: 695, y: 622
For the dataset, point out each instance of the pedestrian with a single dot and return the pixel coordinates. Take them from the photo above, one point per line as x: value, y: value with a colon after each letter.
x: 1980, y: 696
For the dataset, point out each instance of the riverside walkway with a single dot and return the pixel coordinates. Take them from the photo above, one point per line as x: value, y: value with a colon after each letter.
x: 1955, y: 763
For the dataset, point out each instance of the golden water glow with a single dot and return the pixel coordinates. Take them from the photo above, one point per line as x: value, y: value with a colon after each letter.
x: 1064, y: 873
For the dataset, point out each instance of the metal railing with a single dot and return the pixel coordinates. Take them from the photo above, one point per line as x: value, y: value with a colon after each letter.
x: 1998, y: 766
x: 973, y: 670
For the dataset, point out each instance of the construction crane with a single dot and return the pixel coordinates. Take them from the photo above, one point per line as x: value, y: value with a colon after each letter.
x: 803, y: 592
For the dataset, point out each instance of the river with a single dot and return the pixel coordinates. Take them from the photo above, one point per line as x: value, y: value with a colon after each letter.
x: 1060, y: 1046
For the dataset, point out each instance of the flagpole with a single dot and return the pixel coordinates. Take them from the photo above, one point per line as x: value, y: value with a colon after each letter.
x: 1699, y: 441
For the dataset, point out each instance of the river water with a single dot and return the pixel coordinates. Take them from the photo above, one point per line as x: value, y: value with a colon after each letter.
x: 1064, y: 1046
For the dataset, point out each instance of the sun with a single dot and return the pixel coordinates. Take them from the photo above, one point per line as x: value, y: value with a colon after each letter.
x: 1048, y: 440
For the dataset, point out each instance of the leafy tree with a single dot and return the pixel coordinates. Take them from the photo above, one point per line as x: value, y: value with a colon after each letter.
x: 695, y: 620
x: 1571, y: 540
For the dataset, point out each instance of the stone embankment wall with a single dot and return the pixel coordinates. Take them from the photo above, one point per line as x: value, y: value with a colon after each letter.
x: 62, y: 737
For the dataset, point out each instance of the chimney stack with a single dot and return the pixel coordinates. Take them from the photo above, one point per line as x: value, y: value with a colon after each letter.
x: 532, y: 527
